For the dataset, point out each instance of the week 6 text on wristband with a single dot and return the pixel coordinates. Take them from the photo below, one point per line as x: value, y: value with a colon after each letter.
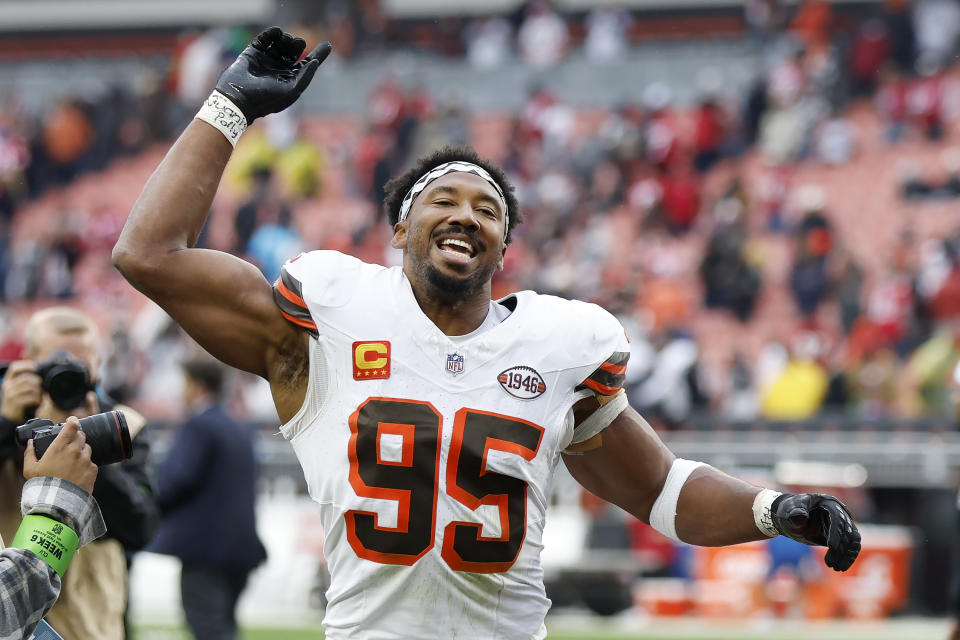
x: 225, y: 116
x: 52, y: 541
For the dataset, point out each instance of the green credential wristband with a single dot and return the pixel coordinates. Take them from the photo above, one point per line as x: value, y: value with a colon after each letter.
x: 54, y: 542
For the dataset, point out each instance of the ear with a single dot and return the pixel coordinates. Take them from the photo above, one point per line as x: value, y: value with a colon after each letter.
x: 399, y: 240
x: 503, y: 252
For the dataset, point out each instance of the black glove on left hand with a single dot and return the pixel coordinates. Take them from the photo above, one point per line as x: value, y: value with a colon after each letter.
x: 818, y: 519
x: 266, y: 77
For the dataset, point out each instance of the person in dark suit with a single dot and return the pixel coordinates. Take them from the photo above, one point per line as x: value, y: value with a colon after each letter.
x: 205, y: 489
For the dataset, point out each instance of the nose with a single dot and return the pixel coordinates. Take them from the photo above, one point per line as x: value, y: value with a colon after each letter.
x: 464, y: 215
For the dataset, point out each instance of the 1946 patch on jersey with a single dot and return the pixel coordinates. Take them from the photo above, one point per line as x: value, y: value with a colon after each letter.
x: 522, y: 382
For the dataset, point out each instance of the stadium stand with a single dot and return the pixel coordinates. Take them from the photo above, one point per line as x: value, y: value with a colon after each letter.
x: 750, y: 204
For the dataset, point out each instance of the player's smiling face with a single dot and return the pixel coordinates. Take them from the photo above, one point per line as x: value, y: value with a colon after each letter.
x: 453, y: 236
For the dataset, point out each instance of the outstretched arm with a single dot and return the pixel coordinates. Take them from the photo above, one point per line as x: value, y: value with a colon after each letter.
x: 631, y: 467
x: 224, y: 302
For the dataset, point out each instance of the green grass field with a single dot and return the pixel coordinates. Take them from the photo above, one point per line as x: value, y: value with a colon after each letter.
x: 586, y: 628
x: 157, y: 633
x: 279, y: 634
x: 169, y: 633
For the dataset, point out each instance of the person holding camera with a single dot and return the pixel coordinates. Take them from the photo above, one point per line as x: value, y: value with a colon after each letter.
x: 57, y: 380
x: 60, y: 515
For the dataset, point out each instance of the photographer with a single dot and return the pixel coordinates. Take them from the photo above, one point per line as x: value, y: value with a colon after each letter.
x: 56, y: 499
x: 94, y: 596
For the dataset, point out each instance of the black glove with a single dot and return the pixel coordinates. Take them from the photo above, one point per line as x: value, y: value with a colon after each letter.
x: 266, y: 77
x: 818, y: 519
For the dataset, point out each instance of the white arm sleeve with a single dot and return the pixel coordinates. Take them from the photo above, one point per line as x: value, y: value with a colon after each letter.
x: 663, y: 516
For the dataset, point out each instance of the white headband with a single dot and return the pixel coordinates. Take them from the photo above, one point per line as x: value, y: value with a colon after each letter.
x: 442, y: 170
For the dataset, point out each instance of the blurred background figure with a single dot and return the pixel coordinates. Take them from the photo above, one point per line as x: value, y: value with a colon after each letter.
x: 489, y: 42
x: 206, y: 491
x: 607, y: 38
x: 543, y: 38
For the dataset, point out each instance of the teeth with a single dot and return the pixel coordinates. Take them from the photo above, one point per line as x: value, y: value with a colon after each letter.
x: 458, y: 243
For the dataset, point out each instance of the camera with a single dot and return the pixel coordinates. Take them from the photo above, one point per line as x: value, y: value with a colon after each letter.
x: 66, y: 379
x: 107, y: 434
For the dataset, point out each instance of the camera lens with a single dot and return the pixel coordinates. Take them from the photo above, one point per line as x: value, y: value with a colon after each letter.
x: 108, y: 437
x: 67, y: 387
x: 106, y: 433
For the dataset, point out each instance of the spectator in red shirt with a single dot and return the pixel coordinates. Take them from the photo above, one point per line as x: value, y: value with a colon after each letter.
x: 925, y: 99
x: 681, y: 198
x: 870, y: 51
x: 385, y: 107
x: 945, y: 303
x: 891, y: 102
x: 709, y: 133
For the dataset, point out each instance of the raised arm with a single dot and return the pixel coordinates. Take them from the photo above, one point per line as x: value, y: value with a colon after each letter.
x: 222, y: 301
x: 627, y: 464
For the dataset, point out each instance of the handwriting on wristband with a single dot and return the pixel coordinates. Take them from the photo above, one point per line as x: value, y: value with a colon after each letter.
x: 220, y: 112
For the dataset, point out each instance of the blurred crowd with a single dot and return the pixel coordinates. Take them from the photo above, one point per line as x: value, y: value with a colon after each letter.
x: 615, y: 216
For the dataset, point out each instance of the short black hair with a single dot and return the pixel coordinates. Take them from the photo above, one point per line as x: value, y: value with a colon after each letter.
x: 209, y: 373
x: 398, y: 188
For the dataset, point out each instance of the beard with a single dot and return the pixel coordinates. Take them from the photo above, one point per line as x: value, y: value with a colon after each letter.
x: 452, y: 288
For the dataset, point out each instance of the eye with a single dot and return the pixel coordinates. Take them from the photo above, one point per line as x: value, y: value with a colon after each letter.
x: 443, y: 203
x: 489, y: 213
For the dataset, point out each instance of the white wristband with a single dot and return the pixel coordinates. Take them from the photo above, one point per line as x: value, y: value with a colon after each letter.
x: 220, y: 112
x: 763, y: 514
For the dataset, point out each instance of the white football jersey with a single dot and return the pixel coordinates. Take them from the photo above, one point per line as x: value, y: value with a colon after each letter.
x: 432, y: 460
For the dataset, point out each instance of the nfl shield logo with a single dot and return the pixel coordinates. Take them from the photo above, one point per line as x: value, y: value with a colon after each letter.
x: 454, y: 363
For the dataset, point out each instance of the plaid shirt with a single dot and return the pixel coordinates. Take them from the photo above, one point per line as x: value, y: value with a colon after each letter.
x: 28, y: 585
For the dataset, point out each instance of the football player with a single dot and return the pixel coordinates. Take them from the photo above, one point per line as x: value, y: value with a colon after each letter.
x: 429, y: 418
